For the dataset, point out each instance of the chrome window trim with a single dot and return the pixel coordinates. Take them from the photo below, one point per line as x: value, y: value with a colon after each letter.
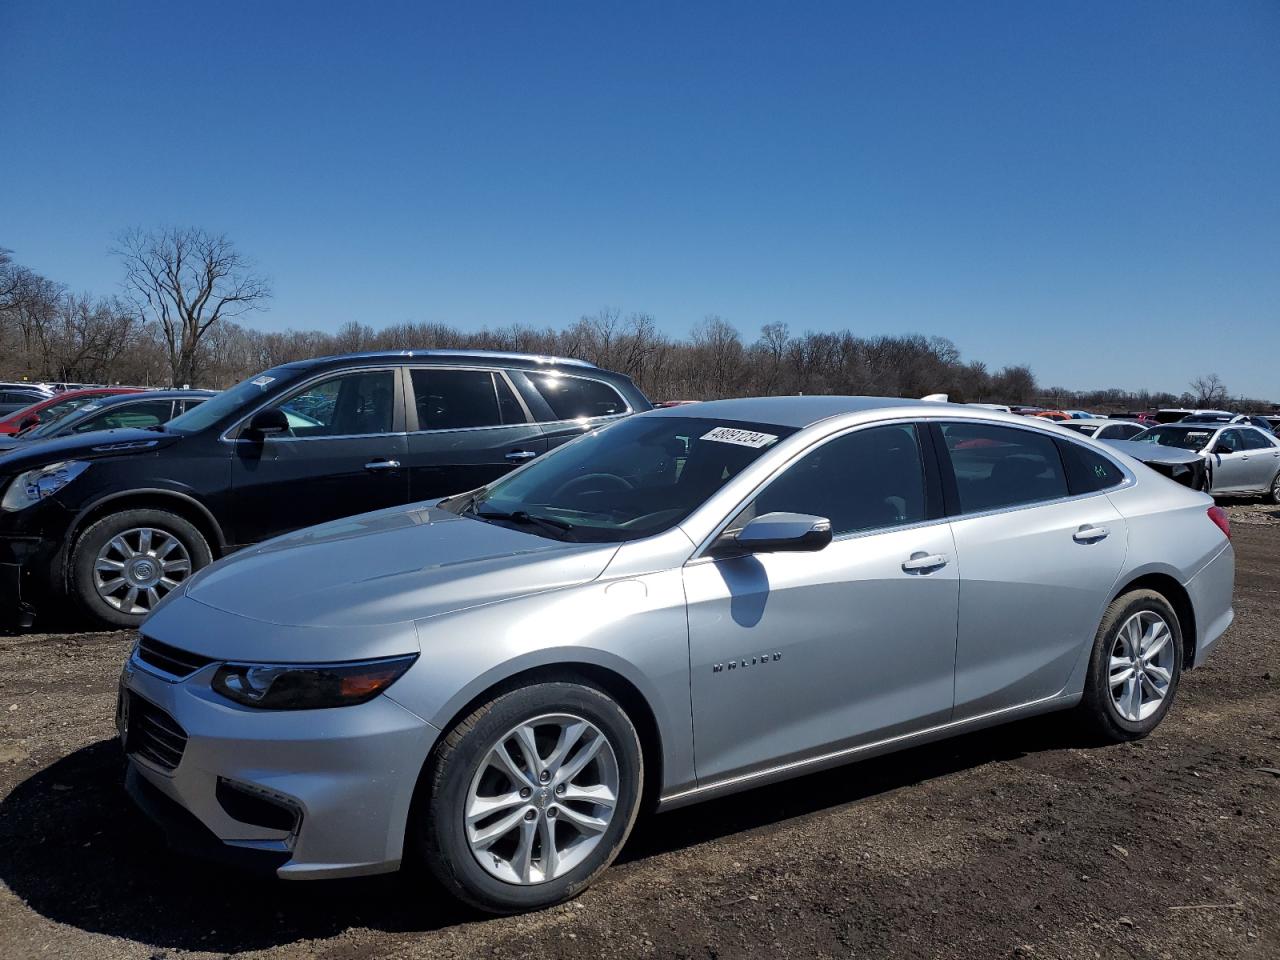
x: 500, y: 371
x: 327, y: 375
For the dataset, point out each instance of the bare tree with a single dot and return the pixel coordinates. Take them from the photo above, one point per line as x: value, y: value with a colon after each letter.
x: 1209, y: 391
x: 186, y: 280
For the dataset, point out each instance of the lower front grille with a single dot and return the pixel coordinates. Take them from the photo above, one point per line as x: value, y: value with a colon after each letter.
x: 151, y: 734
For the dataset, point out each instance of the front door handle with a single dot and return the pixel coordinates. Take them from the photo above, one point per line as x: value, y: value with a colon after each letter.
x: 922, y: 562
x: 518, y: 455
x: 382, y: 465
x: 1088, y: 533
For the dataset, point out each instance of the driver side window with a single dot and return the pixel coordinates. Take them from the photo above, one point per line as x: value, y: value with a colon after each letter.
x: 865, y: 480
x: 1228, y: 442
x: 351, y: 404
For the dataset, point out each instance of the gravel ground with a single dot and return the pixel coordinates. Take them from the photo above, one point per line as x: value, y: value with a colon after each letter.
x: 1018, y: 842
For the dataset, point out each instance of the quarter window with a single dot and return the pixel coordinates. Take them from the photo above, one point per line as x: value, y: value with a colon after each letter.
x: 456, y: 399
x: 863, y: 480
x: 1087, y: 470
x: 1002, y: 466
x: 353, y: 404
x: 573, y: 398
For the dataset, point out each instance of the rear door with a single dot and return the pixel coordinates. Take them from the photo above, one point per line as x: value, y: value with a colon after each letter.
x: 1037, y: 562
x: 467, y: 427
x: 343, y: 454
x: 1262, y: 457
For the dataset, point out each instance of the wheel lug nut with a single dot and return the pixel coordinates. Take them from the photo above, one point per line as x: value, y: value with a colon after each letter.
x: 560, y: 790
x: 524, y: 793
x: 529, y: 815
x: 544, y: 776
x: 551, y: 813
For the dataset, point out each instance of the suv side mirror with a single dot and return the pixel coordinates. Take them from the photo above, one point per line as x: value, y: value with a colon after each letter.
x: 266, y: 423
x: 785, y: 532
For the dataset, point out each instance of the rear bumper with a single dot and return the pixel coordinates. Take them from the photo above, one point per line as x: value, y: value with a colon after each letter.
x: 1210, y: 591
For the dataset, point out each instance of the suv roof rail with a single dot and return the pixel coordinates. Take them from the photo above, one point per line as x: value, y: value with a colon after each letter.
x: 491, y: 354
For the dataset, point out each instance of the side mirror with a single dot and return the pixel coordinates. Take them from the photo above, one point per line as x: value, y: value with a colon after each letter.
x: 785, y: 532
x: 1220, y: 448
x: 266, y: 423
x: 27, y: 422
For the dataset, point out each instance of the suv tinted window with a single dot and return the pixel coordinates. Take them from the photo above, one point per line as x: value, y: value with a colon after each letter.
x: 454, y: 399
x: 571, y: 398
x: 351, y: 404
x: 1002, y: 466
x: 861, y: 481
x: 1087, y: 470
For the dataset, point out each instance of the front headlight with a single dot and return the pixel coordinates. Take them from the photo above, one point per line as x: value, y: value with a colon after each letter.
x: 308, y: 686
x: 34, y: 485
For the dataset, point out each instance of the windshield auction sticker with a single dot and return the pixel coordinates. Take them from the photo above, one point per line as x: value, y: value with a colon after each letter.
x: 262, y: 381
x: 743, y: 438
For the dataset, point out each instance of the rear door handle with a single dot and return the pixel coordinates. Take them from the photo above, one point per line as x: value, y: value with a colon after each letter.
x: 521, y: 455
x: 382, y: 465
x: 1088, y: 533
x: 922, y: 562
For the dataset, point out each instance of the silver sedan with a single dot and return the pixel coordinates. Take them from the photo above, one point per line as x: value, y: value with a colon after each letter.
x: 1242, y: 460
x: 690, y: 602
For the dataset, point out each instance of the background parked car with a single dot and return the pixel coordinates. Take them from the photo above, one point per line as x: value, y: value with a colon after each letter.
x: 54, y: 406
x: 13, y: 399
x: 118, y: 520
x: 1101, y: 428
x: 1243, y: 460
x: 137, y: 411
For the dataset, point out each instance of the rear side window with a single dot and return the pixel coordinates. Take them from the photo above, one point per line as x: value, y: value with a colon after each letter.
x: 1002, y: 466
x: 1087, y: 470
x: 457, y: 399
x: 573, y: 398
x: 1253, y: 440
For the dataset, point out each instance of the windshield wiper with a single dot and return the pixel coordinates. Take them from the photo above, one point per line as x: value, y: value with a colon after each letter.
x: 520, y: 516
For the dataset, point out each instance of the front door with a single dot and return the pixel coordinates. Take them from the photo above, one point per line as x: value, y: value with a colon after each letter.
x: 467, y: 428
x: 798, y: 654
x: 343, y: 454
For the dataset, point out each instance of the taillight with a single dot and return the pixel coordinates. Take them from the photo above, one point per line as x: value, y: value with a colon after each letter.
x: 1219, y: 517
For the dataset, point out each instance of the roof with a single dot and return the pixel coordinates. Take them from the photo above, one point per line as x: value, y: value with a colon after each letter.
x: 803, y: 411
x: 118, y: 398
x: 532, y: 359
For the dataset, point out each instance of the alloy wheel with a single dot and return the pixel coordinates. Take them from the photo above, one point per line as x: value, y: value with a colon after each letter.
x: 1141, y: 666
x: 135, y: 569
x: 543, y: 798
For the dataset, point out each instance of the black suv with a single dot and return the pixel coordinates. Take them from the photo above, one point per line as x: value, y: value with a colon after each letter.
x: 116, y: 519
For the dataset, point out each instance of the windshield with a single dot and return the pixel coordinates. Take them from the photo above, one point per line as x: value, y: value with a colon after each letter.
x: 633, y: 479
x: 230, y: 401
x: 1176, y: 437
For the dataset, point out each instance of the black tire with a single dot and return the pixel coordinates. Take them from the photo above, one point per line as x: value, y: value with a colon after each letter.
x: 1097, y: 709
x: 437, y: 834
x: 85, y: 552
x: 1273, y: 495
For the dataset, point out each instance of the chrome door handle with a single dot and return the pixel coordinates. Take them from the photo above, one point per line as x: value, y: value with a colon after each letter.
x: 521, y: 455
x: 924, y: 562
x: 1088, y: 533
x: 382, y: 465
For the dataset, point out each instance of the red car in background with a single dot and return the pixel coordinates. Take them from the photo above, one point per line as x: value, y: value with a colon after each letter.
x: 56, y: 406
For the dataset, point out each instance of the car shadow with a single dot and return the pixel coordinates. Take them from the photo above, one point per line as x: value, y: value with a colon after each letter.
x: 73, y: 847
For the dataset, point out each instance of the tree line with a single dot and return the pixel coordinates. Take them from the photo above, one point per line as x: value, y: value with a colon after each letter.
x: 175, y: 322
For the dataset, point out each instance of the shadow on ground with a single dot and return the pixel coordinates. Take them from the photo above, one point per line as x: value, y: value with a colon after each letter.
x: 75, y: 850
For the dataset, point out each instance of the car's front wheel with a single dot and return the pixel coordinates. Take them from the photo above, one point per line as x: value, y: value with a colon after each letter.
x: 1135, y: 667
x: 125, y: 563
x: 530, y: 797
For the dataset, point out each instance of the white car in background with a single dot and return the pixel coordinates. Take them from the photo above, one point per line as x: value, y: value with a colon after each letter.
x: 1243, y: 460
x: 1104, y: 428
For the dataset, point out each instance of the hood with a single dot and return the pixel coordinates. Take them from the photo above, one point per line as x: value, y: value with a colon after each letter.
x: 392, y: 566
x: 28, y: 454
x: 1154, y: 453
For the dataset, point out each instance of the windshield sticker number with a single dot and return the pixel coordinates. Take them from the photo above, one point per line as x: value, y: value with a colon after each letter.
x: 743, y: 438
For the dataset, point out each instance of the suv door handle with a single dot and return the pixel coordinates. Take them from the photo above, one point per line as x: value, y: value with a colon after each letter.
x: 1088, y: 533
x: 922, y: 562
x: 382, y: 465
x: 521, y: 455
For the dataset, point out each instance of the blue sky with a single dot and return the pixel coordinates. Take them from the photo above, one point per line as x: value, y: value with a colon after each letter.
x: 1089, y: 187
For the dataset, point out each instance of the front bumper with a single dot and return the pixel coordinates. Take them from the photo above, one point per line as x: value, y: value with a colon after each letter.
x: 348, y: 773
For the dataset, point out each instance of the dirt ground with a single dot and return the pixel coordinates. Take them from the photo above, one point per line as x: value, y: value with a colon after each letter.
x: 1015, y: 842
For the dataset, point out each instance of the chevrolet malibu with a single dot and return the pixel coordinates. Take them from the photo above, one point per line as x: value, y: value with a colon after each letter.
x: 689, y: 602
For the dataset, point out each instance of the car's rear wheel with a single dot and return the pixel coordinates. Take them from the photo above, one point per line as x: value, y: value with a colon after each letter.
x: 530, y: 797
x: 123, y: 565
x: 1135, y: 667
x: 1273, y: 495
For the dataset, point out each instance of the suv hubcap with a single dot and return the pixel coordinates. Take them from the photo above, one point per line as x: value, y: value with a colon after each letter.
x: 1141, y: 667
x: 135, y: 569
x: 543, y: 797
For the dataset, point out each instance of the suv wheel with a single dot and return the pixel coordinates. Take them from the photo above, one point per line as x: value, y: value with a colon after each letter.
x: 126, y: 563
x: 1135, y: 667
x: 531, y: 797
